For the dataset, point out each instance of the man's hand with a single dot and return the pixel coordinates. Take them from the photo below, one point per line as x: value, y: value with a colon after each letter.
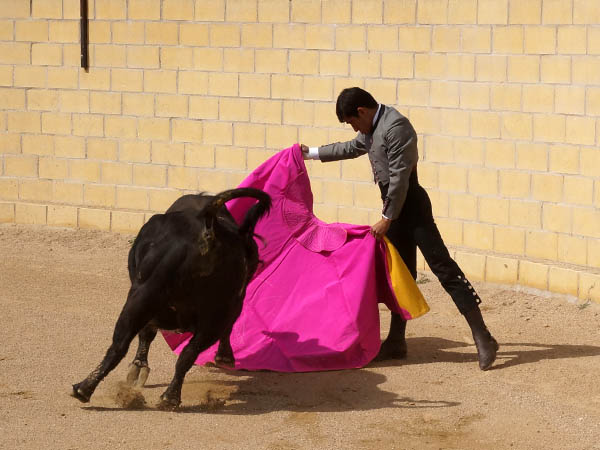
x: 381, y: 228
x: 304, y: 149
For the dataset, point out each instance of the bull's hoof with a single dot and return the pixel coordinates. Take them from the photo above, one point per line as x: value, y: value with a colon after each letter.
x: 168, y: 404
x: 392, y: 350
x: 138, y: 374
x: 80, y: 394
x: 141, y: 381
x: 227, y: 361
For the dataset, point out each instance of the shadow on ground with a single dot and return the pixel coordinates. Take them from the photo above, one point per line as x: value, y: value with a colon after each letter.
x: 425, y: 350
x: 218, y: 391
x: 243, y: 392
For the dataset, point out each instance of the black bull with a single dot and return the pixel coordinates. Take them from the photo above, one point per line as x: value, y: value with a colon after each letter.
x: 189, y: 269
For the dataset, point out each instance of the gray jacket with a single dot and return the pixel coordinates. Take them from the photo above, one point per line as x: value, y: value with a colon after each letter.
x: 392, y: 149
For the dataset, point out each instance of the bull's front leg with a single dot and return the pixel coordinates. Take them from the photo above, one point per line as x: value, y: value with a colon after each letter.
x: 171, y: 398
x: 133, y: 317
x: 224, y: 356
x: 139, y: 368
x: 84, y: 390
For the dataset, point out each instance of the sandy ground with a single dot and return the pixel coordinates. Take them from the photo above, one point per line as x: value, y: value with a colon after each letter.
x: 61, y: 291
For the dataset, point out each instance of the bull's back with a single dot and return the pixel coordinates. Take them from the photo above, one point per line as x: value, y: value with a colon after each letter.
x: 190, y: 201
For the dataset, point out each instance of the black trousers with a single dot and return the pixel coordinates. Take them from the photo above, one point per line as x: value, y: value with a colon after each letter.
x: 414, y: 228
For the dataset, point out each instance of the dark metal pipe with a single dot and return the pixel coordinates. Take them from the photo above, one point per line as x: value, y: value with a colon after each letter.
x: 85, y: 58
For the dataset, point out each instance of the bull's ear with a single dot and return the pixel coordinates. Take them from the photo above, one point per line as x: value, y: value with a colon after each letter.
x: 206, y: 239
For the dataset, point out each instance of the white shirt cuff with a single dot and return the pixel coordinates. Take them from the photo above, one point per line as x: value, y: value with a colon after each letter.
x: 313, y: 153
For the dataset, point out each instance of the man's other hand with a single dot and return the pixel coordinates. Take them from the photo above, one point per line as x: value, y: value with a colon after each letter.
x: 381, y: 228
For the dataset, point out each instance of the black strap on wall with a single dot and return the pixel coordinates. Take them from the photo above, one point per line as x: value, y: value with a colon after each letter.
x: 85, y: 58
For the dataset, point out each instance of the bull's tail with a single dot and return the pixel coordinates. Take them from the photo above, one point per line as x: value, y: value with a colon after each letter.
x: 255, y: 212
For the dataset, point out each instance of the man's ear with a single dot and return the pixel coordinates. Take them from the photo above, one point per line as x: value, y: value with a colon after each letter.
x: 361, y: 110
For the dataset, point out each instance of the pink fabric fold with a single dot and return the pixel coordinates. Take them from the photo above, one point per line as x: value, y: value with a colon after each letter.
x: 312, y: 304
x: 314, y: 234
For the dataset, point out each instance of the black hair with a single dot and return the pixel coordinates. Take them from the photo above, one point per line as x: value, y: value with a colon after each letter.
x: 350, y: 99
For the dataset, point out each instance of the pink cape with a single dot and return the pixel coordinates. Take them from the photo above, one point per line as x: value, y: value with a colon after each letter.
x: 312, y: 304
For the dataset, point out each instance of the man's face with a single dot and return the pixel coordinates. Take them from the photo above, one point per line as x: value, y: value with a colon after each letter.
x: 363, y: 122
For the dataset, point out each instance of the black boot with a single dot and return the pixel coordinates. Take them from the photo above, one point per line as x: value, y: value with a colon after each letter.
x: 486, y: 345
x: 394, y: 346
